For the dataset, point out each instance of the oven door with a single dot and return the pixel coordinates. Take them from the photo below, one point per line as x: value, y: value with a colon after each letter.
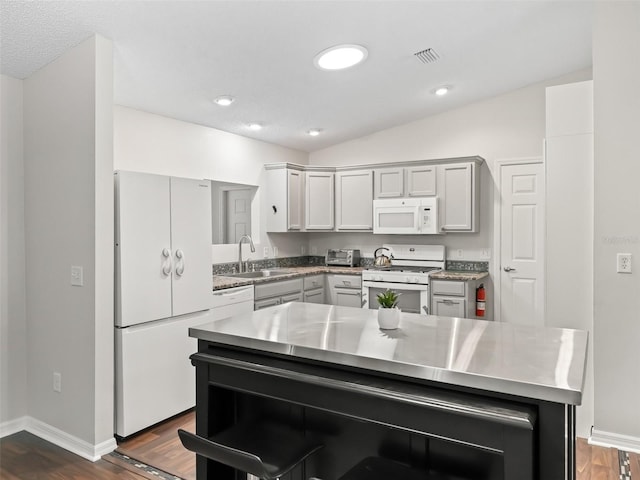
x: 414, y: 297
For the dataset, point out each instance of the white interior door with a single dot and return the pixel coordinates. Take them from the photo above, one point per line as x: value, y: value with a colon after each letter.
x: 191, y: 244
x: 522, y: 243
x: 238, y: 213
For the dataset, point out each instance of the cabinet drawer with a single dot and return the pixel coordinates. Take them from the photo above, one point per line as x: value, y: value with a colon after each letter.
x: 273, y: 289
x: 447, y: 287
x: 314, y: 296
x: 345, y: 281
x: 315, y: 281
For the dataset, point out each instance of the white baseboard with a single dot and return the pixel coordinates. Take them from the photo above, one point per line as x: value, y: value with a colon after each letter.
x: 13, y: 426
x: 615, y: 440
x: 59, y: 438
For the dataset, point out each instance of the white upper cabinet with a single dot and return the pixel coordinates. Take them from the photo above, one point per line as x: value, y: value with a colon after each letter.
x: 319, y: 199
x: 285, y: 199
x: 389, y: 182
x: 163, y: 247
x: 415, y: 181
x: 354, y: 200
x: 458, y: 197
x: 421, y: 181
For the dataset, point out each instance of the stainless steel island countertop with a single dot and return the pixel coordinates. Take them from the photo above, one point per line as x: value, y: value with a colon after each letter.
x: 532, y: 362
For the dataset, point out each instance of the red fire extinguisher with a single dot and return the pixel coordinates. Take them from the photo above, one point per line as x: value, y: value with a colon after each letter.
x: 480, y: 301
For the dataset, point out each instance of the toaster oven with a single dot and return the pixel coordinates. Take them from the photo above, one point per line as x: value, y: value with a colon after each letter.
x: 346, y: 257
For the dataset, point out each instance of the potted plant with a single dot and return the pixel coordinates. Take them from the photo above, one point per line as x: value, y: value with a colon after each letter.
x: 388, y: 312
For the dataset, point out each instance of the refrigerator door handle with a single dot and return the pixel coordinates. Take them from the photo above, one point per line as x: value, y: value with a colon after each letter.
x: 180, y: 266
x: 166, y: 268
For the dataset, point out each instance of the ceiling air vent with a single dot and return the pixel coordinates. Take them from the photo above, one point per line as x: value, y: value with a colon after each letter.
x: 427, y: 56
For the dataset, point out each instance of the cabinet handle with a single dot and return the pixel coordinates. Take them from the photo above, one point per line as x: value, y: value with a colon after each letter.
x: 447, y: 302
x: 166, y: 268
x: 180, y: 267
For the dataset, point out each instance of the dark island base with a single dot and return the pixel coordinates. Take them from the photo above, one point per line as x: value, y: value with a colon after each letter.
x: 449, y: 432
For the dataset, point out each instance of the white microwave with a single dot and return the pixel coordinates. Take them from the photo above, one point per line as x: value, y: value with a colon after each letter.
x: 406, y: 216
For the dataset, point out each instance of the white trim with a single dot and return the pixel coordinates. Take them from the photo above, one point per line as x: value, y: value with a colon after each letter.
x: 497, y: 223
x: 13, y: 426
x: 615, y: 440
x: 59, y: 438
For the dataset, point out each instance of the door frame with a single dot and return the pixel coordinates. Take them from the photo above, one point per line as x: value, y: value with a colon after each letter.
x: 497, y: 229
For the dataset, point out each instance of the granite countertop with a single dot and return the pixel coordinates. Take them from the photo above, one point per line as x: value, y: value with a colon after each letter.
x: 457, y: 275
x: 533, y: 362
x: 221, y: 281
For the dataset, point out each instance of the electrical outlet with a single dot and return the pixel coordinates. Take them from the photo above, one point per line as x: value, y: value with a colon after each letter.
x: 485, y: 253
x: 275, y: 251
x: 265, y: 251
x: 76, y: 276
x: 623, y: 263
x: 459, y: 253
x: 303, y: 249
x: 57, y: 382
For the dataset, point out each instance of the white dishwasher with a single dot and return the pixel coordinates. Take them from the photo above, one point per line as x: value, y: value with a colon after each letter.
x: 154, y: 376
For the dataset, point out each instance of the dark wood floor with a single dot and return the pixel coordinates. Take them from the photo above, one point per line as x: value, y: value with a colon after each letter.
x: 26, y: 457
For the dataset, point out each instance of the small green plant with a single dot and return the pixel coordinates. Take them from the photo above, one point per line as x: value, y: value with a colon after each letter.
x: 388, y: 299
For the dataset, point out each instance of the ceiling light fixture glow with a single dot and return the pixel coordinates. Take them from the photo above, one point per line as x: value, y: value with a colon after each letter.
x: 224, y: 100
x: 440, y: 91
x: 255, y: 126
x: 314, y: 132
x: 340, y: 57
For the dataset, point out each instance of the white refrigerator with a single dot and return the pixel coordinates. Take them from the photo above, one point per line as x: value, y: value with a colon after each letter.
x: 163, y: 287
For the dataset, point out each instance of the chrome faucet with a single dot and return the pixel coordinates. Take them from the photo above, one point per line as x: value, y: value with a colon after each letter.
x: 242, y: 267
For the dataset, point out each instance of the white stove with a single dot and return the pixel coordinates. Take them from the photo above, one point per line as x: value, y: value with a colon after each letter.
x: 408, y: 274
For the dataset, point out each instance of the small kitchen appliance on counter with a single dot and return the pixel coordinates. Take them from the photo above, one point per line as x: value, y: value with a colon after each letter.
x: 344, y: 257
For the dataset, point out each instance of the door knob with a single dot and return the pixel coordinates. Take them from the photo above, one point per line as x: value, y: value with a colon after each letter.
x: 509, y: 269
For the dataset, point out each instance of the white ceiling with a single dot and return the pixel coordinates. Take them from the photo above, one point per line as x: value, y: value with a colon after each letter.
x: 173, y: 57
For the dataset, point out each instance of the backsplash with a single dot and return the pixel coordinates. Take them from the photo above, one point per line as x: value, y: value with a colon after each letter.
x: 315, y: 260
x: 464, y: 266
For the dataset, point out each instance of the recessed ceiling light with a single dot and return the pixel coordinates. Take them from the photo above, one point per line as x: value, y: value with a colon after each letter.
x: 255, y: 126
x: 314, y: 132
x: 340, y: 57
x: 224, y: 100
x: 440, y: 91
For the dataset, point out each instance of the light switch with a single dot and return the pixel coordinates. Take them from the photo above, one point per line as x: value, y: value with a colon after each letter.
x: 76, y: 276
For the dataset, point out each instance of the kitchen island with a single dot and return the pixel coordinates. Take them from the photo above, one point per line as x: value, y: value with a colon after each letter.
x: 460, y: 398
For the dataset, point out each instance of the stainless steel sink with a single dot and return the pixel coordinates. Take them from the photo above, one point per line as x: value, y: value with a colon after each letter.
x: 259, y: 273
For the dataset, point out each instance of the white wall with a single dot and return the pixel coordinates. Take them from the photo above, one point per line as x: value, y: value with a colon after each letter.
x: 69, y: 221
x: 504, y: 127
x: 13, y: 356
x: 616, y: 75
x: 145, y: 142
x: 569, y: 221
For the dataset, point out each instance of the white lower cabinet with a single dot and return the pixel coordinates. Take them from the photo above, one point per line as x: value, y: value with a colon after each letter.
x: 276, y: 293
x: 314, y: 289
x: 457, y: 298
x: 345, y: 290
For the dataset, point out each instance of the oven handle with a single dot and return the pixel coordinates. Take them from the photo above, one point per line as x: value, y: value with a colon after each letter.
x: 395, y: 285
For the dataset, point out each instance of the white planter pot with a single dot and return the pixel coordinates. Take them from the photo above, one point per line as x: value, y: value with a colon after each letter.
x: 388, y: 318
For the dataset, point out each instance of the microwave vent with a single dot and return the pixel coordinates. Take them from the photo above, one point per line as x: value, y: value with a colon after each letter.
x: 427, y: 56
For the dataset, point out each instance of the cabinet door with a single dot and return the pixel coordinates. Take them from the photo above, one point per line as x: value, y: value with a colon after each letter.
x: 143, y: 233
x: 348, y: 297
x: 421, y: 181
x: 294, y: 199
x: 269, y: 302
x: 292, y: 297
x: 457, y: 197
x: 319, y: 200
x: 448, y: 307
x: 314, y: 296
x: 354, y: 200
x: 389, y: 182
x: 191, y: 244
